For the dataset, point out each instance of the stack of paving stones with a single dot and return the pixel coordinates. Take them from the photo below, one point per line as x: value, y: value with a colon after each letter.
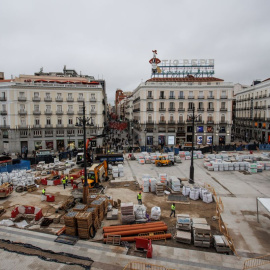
x: 95, y: 219
x: 80, y: 207
x: 201, y: 232
x: 221, y: 244
x: 84, y: 222
x: 183, y: 226
x: 127, y: 213
x: 159, y: 189
x: 71, y: 223
x: 112, y: 215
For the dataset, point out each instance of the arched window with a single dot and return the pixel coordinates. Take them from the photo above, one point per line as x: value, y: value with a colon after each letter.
x: 162, y: 118
x: 171, y: 117
x: 210, y: 118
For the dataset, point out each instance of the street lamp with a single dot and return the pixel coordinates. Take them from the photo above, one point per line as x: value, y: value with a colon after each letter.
x: 83, y: 121
x: 132, y: 137
x: 145, y: 132
x: 191, y: 172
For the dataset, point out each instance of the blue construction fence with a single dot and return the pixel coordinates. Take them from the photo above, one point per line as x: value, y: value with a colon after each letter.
x: 23, y: 165
x: 264, y: 146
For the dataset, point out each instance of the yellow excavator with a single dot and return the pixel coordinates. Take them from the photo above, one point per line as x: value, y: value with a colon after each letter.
x: 96, y: 174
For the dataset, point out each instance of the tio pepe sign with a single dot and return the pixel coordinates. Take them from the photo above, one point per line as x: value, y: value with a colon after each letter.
x: 188, y: 62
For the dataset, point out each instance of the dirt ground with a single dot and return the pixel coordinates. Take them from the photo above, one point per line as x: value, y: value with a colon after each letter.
x: 126, y: 192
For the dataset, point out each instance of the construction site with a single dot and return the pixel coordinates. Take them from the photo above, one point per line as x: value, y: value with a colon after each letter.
x: 139, y: 213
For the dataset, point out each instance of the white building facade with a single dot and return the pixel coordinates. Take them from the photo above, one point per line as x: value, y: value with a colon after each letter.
x: 41, y: 112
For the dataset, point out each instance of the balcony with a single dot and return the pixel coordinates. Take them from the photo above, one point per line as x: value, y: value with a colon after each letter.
x: 136, y: 99
x: 210, y: 109
x: 200, y: 110
x: 4, y: 112
x: 181, y: 109
x: 48, y: 126
x: 59, y: 125
x: 22, y: 112
x: 223, y: 109
x: 93, y: 112
x: 171, y: 109
x: 136, y: 110
x: 189, y: 120
x: 70, y: 99
x: 149, y: 109
x: 181, y: 97
x: 5, y: 126
x: 80, y: 99
x: 162, y: 97
x: 223, y: 97
x: 190, y: 109
x: 210, y: 97
x: 93, y: 100
x: 48, y: 112
x: 70, y: 112
x: 200, y: 97
x: 263, y: 107
x: 181, y: 122
x: 171, y: 97
x: 36, y: 99
x: 80, y: 112
x: 161, y: 122
x: 150, y: 123
x: 264, y: 95
x: 61, y: 134
x: 223, y: 122
x: 210, y: 121
x: 162, y: 109
x: 3, y: 99
x: 149, y: 97
x: 59, y: 99
x: 24, y: 126
x: 48, y: 99
x: 37, y: 126
x: 190, y: 97
x: 70, y: 126
x: 36, y: 112
x: 59, y: 112
x: 21, y: 98
x: 171, y: 122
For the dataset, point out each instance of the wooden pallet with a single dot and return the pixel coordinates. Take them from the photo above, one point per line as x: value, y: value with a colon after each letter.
x: 84, y: 220
x: 113, y: 239
x: 71, y: 230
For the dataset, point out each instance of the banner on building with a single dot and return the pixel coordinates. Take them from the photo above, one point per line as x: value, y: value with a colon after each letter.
x: 199, y: 139
x: 209, y: 140
x: 170, y: 140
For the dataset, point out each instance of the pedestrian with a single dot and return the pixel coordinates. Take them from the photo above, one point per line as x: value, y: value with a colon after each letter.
x: 64, y: 182
x: 71, y: 180
x: 139, y: 198
x: 173, y: 210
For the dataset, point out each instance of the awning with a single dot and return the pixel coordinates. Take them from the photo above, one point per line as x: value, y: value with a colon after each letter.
x: 265, y: 203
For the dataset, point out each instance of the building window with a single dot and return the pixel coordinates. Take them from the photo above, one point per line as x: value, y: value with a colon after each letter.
x: 70, y: 108
x: 36, y: 94
x: 80, y: 95
x: 200, y: 105
x: 48, y: 133
x: 210, y: 105
x: 181, y: 118
x: 171, y: 94
x: 210, y: 93
x: 149, y: 118
x: 22, y: 107
x: 149, y: 94
x: 37, y: 121
x: 222, y: 105
x: 21, y: 94
x: 59, y: 95
x: 161, y: 105
x: 60, y: 132
x: 80, y: 131
x: 161, y: 94
x: 93, y: 96
x: 48, y: 108
x: 180, y: 105
x: 181, y: 94
x: 36, y: 107
x: 70, y: 121
x: 59, y: 108
x: 48, y: 95
x: 171, y: 105
x: 4, y: 121
x: 69, y: 95
x: 59, y: 121
x: 222, y: 118
x: 210, y: 118
x: 70, y: 132
x: 149, y: 105
x: 190, y: 94
x: 171, y: 118
x: 190, y: 105
x: 162, y: 118
x: 48, y: 121
x: 23, y: 121
x: 37, y: 133
x: 80, y: 108
x: 5, y: 134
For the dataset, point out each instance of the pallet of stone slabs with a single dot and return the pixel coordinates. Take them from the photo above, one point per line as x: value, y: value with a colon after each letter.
x: 84, y: 233
x: 70, y: 219
x: 202, y: 228
x: 31, y: 188
x: 94, y: 212
x: 183, y: 227
x: 201, y: 236
x: 66, y: 239
x: 173, y: 192
x: 221, y: 244
x: 91, y: 198
x: 183, y: 237
x: 114, y: 239
x: 84, y: 220
x: 97, y: 223
x: 206, y: 244
x: 71, y: 231
x: 80, y: 207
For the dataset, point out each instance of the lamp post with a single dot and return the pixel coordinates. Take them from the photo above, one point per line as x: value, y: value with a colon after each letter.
x: 132, y: 137
x: 191, y: 171
x: 83, y: 121
x: 145, y: 132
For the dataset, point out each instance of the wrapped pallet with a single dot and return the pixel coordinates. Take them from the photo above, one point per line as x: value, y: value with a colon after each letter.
x: 155, y: 213
x: 186, y: 190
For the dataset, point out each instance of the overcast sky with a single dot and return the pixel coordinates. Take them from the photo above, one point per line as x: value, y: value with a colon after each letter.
x: 114, y: 39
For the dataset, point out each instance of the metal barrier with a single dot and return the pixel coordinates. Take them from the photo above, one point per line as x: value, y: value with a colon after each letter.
x: 255, y: 262
x: 154, y: 235
x: 144, y: 266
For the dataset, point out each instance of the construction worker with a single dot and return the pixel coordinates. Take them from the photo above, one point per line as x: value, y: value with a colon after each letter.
x: 43, y: 196
x: 139, y: 198
x: 64, y: 182
x: 172, y: 210
x: 71, y: 180
x: 43, y: 191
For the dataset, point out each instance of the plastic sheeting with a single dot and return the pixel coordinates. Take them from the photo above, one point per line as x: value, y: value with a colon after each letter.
x: 155, y: 213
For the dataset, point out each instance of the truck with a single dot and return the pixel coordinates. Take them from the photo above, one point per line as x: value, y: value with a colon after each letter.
x: 163, y: 161
x: 110, y: 158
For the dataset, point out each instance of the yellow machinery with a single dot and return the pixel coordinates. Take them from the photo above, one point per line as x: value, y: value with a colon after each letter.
x: 97, y: 173
x: 163, y: 161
